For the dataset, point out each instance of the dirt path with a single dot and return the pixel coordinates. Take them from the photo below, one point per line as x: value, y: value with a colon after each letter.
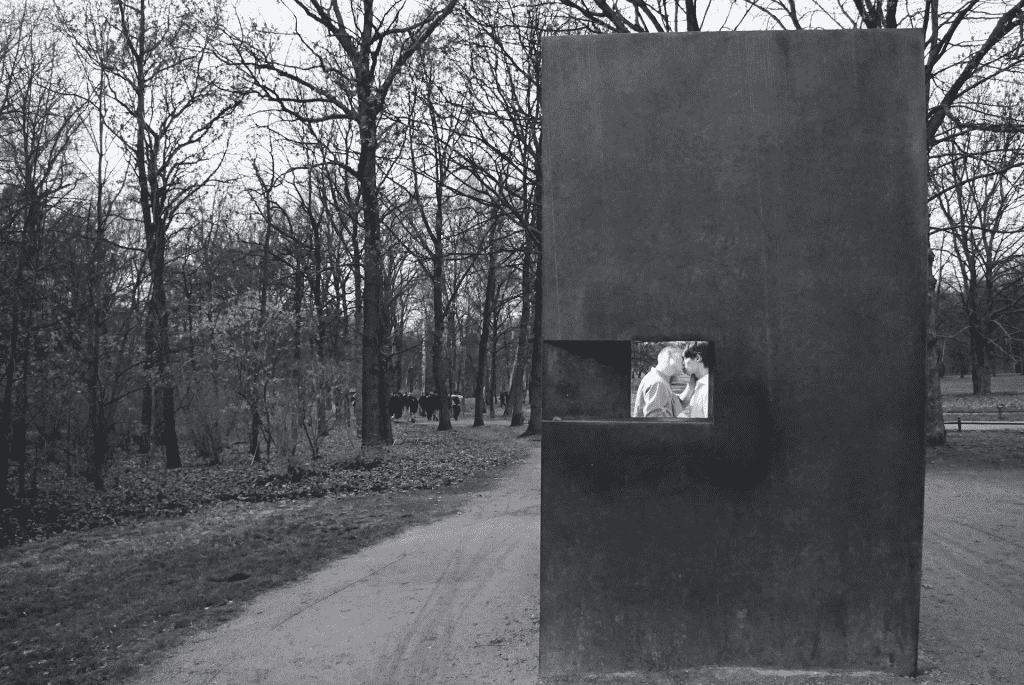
x: 451, y: 602
x: 457, y: 602
x: 972, y: 595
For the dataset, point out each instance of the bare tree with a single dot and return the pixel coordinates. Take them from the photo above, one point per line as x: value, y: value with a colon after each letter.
x: 174, y: 108
x: 268, y: 179
x: 978, y: 187
x: 105, y: 358
x: 486, y: 315
x: 435, y: 125
x: 38, y: 129
x: 504, y: 72
x: 657, y: 16
x: 349, y: 70
x: 331, y: 203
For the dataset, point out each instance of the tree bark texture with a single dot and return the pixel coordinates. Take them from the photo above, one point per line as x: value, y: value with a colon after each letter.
x: 151, y: 200
x: 935, y: 428
x: 438, y: 359
x: 493, y: 387
x: 98, y: 312
x: 7, y: 408
x: 485, y: 326
x: 376, y: 424
x: 19, y: 427
x: 515, y: 400
x: 981, y: 367
x: 536, y: 359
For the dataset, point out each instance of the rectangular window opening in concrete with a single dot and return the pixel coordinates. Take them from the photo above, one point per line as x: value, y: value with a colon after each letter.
x: 598, y: 380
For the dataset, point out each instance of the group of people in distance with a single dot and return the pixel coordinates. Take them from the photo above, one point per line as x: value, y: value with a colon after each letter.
x: 655, y: 397
x: 427, y: 405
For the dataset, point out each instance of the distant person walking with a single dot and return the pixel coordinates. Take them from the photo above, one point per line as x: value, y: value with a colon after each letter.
x: 654, y: 397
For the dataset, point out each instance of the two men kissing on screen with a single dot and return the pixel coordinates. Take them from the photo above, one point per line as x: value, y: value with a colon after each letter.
x: 654, y: 397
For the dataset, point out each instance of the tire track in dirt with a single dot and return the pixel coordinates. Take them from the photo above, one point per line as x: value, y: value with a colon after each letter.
x: 437, y: 639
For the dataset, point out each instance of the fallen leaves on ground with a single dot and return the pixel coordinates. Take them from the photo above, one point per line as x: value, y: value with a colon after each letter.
x: 422, y: 458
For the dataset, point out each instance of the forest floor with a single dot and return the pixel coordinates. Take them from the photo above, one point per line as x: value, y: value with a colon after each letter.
x: 166, y: 554
x: 58, y: 497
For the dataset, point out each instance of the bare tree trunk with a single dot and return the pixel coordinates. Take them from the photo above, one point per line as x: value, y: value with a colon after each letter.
x: 255, y: 426
x: 537, y: 360
x: 19, y: 446
x: 935, y: 428
x: 320, y: 307
x: 691, y: 16
x: 169, y: 431
x: 97, y: 309
x: 485, y: 327
x: 515, y: 401
x: 453, y: 350
x: 299, y: 408
x: 7, y: 408
x: 259, y: 344
x: 493, y: 387
x: 354, y: 410
x: 97, y: 411
x: 398, y: 352
x: 981, y: 368
x: 154, y: 219
x: 146, y: 411
x: 97, y: 425
x: 423, y: 357
x: 164, y: 395
x: 376, y: 424
x: 440, y: 364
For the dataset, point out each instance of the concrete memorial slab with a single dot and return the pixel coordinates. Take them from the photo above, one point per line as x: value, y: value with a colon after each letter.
x: 764, y: 192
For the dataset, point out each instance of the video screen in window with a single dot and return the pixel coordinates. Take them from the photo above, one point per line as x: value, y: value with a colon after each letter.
x: 671, y: 380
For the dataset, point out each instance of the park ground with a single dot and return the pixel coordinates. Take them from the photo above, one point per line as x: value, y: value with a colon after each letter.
x: 1005, y: 403
x: 181, y: 599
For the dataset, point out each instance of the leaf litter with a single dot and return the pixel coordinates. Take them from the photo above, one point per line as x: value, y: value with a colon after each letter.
x: 422, y: 458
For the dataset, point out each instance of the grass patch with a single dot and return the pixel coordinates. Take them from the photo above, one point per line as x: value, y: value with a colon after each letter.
x: 995, y: 448
x: 1007, y: 390
x: 92, y: 606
